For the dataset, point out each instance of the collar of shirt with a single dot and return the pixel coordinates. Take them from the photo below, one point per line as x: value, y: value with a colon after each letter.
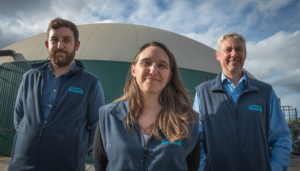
x: 233, y: 91
x: 74, y: 66
x: 242, y: 81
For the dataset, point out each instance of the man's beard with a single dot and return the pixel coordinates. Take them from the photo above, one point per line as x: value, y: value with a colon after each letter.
x: 61, y: 62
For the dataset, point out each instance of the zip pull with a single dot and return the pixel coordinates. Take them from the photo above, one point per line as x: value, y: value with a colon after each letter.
x: 235, y: 109
x: 145, y: 154
x: 43, y: 129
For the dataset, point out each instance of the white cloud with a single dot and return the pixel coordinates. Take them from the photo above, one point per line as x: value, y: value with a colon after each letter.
x: 290, y: 81
x: 210, y: 37
x: 109, y: 10
x: 269, y: 7
x: 276, y: 60
x: 180, y: 16
x: 279, y: 52
x: 145, y: 13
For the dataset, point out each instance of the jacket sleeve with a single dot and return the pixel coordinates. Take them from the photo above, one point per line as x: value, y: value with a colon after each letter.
x: 18, y: 110
x: 95, y: 102
x: 279, y: 137
x: 193, y: 159
x: 197, y: 108
x: 99, y: 155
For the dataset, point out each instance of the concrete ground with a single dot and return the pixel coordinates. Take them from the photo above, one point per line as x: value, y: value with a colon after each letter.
x: 295, y: 162
x: 91, y: 168
x: 4, y: 163
x: 294, y: 166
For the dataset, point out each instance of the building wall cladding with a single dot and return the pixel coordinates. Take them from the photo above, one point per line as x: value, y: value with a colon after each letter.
x: 112, y: 77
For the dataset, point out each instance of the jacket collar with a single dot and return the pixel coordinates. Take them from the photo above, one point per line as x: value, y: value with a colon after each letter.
x: 218, y: 85
x: 42, y: 66
x: 120, y: 109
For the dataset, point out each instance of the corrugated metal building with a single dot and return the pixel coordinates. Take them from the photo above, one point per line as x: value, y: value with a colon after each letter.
x: 107, y: 51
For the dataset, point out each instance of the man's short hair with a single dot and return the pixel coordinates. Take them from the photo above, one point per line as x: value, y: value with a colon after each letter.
x: 233, y: 35
x: 59, y: 22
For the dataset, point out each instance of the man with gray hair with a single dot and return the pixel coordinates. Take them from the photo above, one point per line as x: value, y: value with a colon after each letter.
x: 242, y: 127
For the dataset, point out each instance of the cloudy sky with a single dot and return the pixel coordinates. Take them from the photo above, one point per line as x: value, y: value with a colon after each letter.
x: 271, y: 28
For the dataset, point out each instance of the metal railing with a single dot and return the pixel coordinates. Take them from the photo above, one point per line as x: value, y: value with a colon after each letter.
x: 290, y: 116
x: 293, y: 122
x: 7, y: 130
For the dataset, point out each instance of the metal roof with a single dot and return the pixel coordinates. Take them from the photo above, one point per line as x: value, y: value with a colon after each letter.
x: 120, y: 42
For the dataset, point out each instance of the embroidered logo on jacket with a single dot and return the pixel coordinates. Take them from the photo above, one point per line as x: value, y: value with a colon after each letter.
x: 165, y: 141
x: 255, y: 107
x: 75, y: 90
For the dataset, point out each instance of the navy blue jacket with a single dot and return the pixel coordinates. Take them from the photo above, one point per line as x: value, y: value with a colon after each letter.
x: 127, y: 151
x: 66, y: 138
x: 236, y: 135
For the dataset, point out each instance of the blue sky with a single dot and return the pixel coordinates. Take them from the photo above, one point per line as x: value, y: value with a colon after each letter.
x: 271, y: 28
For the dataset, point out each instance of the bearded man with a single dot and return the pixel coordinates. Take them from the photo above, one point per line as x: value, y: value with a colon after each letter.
x: 56, y: 110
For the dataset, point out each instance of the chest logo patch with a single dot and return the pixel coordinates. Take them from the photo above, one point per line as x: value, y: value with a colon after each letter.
x: 255, y: 107
x: 75, y: 90
x: 165, y: 141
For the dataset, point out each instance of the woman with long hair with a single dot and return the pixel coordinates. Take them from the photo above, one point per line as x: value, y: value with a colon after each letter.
x: 152, y: 126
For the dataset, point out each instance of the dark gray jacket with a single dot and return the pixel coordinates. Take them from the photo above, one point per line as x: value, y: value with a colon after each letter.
x: 236, y: 135
x: 127, y: 151
x: 63, y: 142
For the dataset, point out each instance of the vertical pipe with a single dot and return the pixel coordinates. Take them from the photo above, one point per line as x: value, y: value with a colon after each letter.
x: 290, y: 115
x: 296, y: 117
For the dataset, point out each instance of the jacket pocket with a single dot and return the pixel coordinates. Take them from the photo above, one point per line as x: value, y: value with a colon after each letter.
x: 76, y: 155
x: 14, y: 146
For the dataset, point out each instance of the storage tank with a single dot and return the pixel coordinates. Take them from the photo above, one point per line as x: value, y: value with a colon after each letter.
x: 107, y: 51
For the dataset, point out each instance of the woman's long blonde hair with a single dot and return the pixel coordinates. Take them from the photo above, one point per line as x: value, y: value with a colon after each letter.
x: 176, y: 114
